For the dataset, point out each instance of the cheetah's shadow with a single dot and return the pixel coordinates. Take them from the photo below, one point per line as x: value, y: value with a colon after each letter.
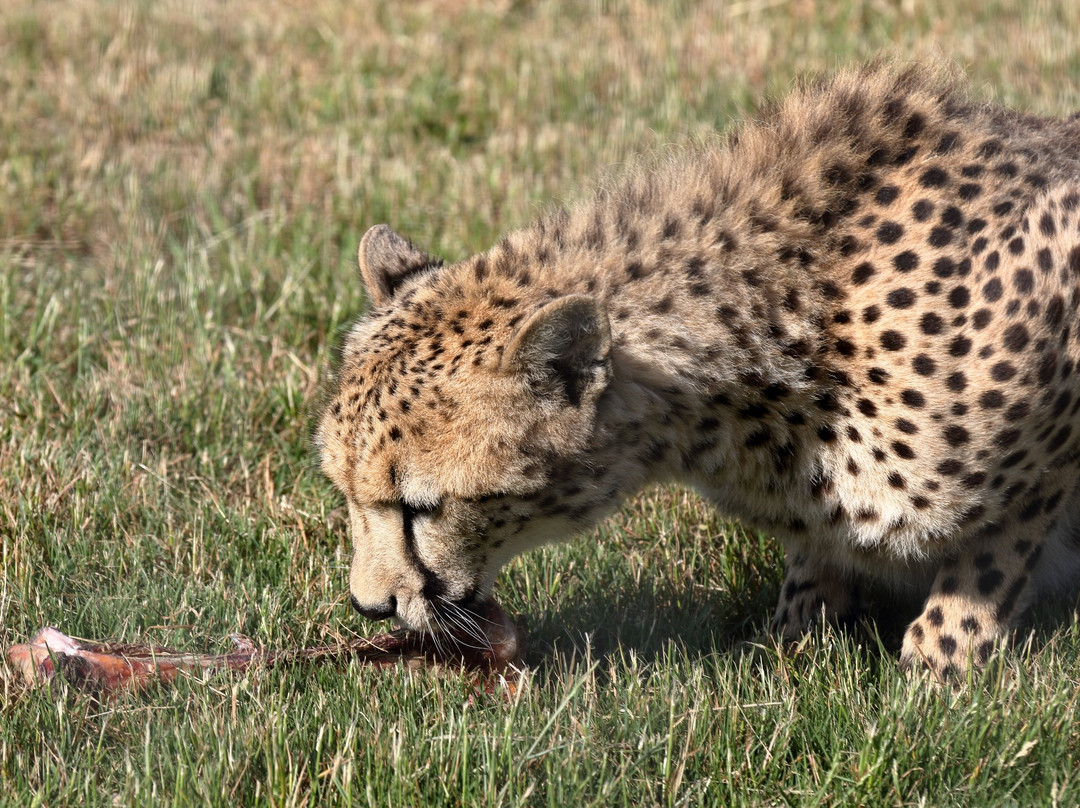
x: 654, y: 622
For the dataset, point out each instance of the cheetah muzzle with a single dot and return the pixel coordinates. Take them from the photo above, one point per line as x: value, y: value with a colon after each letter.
x: 852, y: 323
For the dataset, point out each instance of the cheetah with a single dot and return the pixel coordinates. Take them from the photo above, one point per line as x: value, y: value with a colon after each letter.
x: 851, y: 323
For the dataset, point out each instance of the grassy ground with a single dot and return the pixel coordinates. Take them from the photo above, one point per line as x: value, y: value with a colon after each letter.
x: 182, y: 187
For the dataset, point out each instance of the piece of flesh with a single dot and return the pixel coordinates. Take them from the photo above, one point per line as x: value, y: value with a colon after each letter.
x: 106, y: 668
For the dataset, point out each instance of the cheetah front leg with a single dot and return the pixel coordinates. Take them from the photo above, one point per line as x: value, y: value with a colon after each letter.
x: 974, y: 600
x: 812, y: 591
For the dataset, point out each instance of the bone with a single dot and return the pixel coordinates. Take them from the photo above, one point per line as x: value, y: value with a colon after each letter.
x: 107, y: 668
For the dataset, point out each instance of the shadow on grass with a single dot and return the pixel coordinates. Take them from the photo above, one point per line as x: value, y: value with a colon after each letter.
x: 652, y: 622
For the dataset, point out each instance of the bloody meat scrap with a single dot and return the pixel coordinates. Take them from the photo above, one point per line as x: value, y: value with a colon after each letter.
x: 105, y: 668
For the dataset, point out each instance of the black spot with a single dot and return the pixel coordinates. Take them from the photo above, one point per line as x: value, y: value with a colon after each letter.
x: 992, y: 290
x: 952, y: 216
x: 849, y: 245
x: 913, y: 399
x: 826, y: 433
x: 947, y: 644
x: 1007, y: 437
x: 956, y: 435
x: 862, y: 273
x: 896, y: 480
x: 990, y: 581
x: 775, y: 391
x: 924, y: 365
x: 1044, y: 260
x: 931, y: 324
x: 1053, y: 501
x: 956, y: 382
x: 944, y: 267
x: 1017, y: 411
x: 947, y: 468
x: 960, y: 346
x: 754, y: 410
x: 877, y: 375
x: 906, y: 156
x: 902, y: 298
x: 871, y: 314
x: 830, y: 290
x: 1016, y: 337
x: 948, y: 142
x: 906, y: 426
x: 905, y: 261
x: 933, y: 177
x: 922, y: 210
x: 959, y: 297
x: 845, y: 347
x: 791, y: 300
x: 867, y: 407
x: 892, y: 340
x: 662, y: 306
x: 1030, y: 510
x: 902, y: 450
x: 758, y: 438
x: 940, y: 237
x: 1005, y: 607
x: 1007, y: 169
x: 889, y: 232
x: 1013, y: 459
x: 969, y: 190
x: 973, y: 480
x: 886, y: 194
x: 1002, y: 371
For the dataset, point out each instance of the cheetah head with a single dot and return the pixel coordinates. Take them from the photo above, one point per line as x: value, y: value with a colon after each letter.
x: 457, y: 407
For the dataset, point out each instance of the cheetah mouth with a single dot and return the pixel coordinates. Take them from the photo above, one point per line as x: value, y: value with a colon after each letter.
x: 474, y: 625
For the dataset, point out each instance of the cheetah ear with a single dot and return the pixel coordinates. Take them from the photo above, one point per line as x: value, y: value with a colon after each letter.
x: 563, y: 349
x: 386, y: 260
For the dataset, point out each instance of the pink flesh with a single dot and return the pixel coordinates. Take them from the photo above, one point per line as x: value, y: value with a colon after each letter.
x: 106, y: 668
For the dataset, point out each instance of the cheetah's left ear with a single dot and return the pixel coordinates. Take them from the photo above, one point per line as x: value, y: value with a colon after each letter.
x: 563, y: 349
x: 386, y: 260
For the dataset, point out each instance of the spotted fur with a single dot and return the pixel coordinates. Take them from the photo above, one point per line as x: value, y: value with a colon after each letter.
x: 852, y: 323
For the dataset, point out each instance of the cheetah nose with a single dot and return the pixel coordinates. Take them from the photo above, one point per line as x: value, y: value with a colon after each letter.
x: 379, y: 611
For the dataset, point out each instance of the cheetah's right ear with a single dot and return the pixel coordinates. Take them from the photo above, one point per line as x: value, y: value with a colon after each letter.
x: 563, y: 349
x: 386, y: 260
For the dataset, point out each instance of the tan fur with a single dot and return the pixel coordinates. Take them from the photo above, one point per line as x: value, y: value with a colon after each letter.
x: 852, y: 324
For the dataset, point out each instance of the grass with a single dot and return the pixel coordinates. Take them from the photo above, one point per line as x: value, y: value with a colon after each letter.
x: 182, y: 188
